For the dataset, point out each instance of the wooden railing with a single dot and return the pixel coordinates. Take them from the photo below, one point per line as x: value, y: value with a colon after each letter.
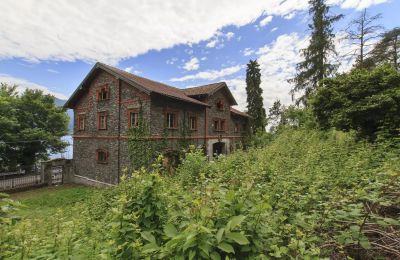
x: 21, y: 182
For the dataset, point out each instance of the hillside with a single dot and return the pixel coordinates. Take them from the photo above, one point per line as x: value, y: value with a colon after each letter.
x: 306, y: 195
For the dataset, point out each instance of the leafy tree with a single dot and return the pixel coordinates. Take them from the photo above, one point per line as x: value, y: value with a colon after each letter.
x: 254, y: 97
x: 364, y: 100
x: 387, y: 50
x: 31, y: 127
x: 276, y: 115
x: 361, y: 32
x: 316, y: 66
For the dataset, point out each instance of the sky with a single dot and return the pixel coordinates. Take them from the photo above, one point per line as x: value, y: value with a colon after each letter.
x: 52, y: 44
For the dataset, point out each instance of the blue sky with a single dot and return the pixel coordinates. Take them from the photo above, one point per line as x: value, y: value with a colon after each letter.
x: 52, y: 45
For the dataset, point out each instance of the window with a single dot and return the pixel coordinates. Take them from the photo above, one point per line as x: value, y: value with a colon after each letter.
x: 216, y: 125
x: 193, y: 123
x: 133, y: 118
x: 102, y: 120
x: 171, y: 120
x: 103, y: 93
x: 81, y: 122
x: 222, y: 125
x: 219, y: 125
x: 101, y: 156
x: 236, y: 127
x: 220, y: 105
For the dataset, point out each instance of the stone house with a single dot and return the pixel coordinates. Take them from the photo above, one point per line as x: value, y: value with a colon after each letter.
x: 107, y: 102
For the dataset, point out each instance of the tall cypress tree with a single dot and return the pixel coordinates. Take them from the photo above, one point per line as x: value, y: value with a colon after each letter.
x: 316, y: 66
x: 254, y: 97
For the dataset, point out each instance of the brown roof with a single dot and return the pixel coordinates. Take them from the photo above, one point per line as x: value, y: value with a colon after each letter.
x: 150, y: 86
x: 240, y: 113
x: 147, y: 85
x: 205, y: 89
x: 154, y: 86
x: 208, y: 90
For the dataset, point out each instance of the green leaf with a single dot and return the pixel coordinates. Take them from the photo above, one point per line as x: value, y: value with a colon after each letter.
x: 148, y: 236
x: 215, y: 256
x: 219, y: 235
x: 226, y: 247
x: 151, y: 247
x: 238, y: 238
x: 235, y: 221
x: 192, y: 254
x: 365, y: 243
x: 170, y: 230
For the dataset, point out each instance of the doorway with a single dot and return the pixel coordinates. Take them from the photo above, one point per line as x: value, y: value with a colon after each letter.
x: 218, y: 148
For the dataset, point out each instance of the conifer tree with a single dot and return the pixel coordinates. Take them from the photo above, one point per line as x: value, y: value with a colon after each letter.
x: 361, y: 32
x: 316, y: 65
x: 254, y: 97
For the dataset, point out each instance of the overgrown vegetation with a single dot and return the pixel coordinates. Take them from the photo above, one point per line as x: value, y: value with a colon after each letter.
x: 305, y: 195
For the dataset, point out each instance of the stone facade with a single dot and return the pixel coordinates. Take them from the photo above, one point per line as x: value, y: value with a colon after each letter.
x: 123, y: 96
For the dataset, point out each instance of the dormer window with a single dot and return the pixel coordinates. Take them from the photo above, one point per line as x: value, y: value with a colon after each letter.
x: 220, y: 105
x: 103, y: 93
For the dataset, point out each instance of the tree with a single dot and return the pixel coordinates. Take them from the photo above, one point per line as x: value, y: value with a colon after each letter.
x: 361, y: 32
x: 254, y: 97
x: 276, y: 115
x: 387, y: 50
x: 367, y: 101
x: 316, y: 66
x: 31, y: 127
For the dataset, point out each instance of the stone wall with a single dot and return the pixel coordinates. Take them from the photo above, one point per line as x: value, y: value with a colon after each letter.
x: 124, y: 98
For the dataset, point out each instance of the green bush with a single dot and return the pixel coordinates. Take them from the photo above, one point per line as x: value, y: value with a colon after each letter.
x: 306, y: 195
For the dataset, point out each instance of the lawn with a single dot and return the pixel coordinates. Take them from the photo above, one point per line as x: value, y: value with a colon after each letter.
x: 47, y: 201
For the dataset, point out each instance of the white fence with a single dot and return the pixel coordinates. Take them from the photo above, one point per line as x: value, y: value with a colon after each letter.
x: 21, y: 182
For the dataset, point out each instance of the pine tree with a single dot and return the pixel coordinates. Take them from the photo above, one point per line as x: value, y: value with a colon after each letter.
x: 316, y: 66
x: 387, y: 50
x: 254, y: 97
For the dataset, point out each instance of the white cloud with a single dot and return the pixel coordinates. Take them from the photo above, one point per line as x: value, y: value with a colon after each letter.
x: 25, y: 84
x: 248, y: 52
x: 289, y: 16
x: 278, y: 64
x: 129, y: 69
x: 210, y: 74
x: 53, y: 71
x: 212, y: 43
x: 171, y: 61
x: 65, y: 30
x: 274, y: 29
x: 357, y: 4
x: 266, y: 20
x: 229, y: 35
x: 192, y: 64
x: 203, y: 58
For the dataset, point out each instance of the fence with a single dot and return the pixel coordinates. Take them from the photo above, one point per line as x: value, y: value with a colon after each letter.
x: 21, y: 182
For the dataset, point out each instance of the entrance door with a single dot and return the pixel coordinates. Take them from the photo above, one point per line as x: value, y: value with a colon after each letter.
x: 218, y: 148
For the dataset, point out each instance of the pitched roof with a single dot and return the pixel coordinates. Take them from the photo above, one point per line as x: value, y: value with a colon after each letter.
x: 157, y: 87
x: 203, y: 90
x: 240, y: 113
x: 147, y: 85
x: 208, y: 90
